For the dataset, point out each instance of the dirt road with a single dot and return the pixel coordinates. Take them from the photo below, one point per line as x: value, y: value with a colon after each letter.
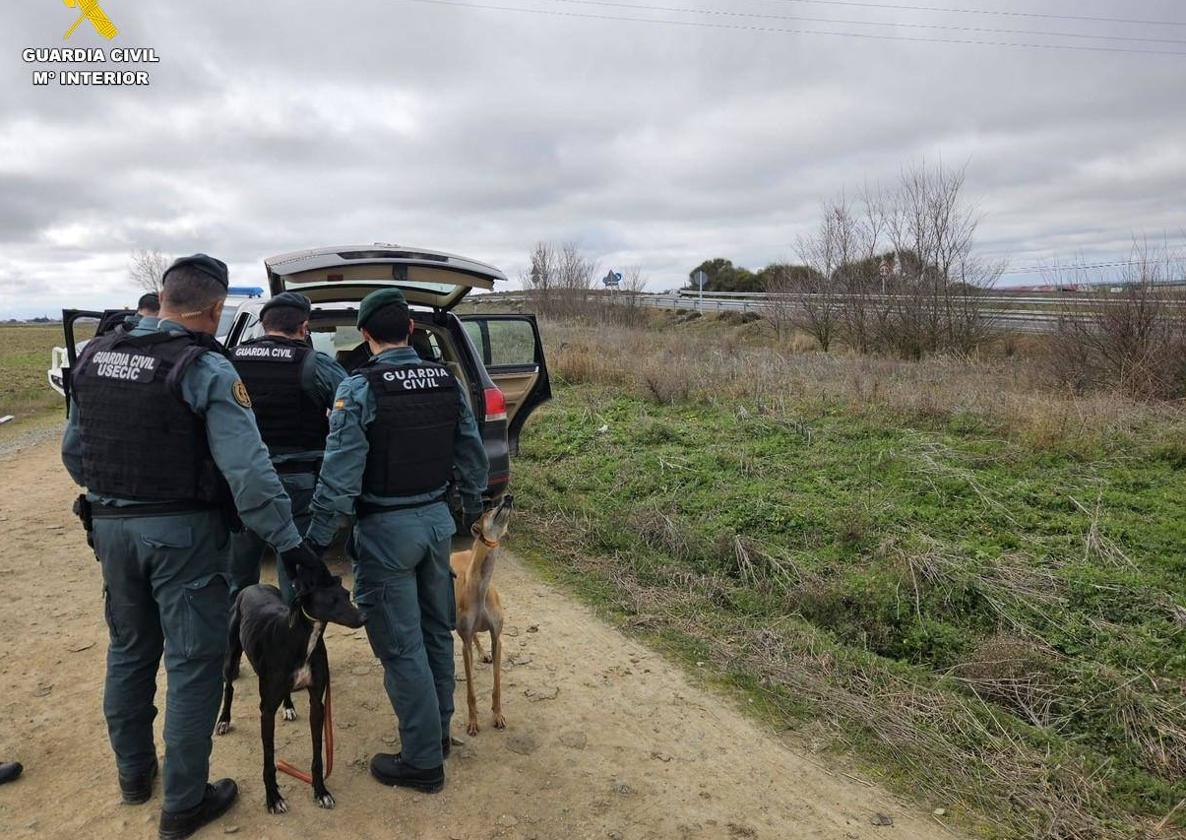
x: 605, y: 739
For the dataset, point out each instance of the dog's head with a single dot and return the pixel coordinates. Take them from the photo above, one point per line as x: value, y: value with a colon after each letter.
x: 330, y: 603
x: 492, y: 527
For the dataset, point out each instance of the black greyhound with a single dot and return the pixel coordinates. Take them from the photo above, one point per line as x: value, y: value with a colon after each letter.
x: 285, y: 646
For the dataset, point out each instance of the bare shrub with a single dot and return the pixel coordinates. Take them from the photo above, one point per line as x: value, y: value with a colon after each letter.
x: 1133, y: 339
x: 1009, y: 395
x: 560, y: 280
x: 897, y: 271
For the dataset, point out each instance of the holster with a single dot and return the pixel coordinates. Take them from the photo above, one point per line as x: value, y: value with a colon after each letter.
x: 85, y: 514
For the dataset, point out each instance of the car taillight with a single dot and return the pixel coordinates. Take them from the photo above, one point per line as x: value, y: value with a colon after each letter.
x: 496, y: 404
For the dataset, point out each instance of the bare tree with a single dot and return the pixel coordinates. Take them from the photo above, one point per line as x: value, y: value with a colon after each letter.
x: 816, y: 304
x: 560, y: 279
x: 867, y: 276
x: 941, y: 281
x: 576, y: 275
x: 628, y: 307
x: 146, y: 267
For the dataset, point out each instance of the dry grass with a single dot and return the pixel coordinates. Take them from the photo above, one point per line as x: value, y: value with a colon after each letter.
x: 956, y: 748
x: 717, y: 364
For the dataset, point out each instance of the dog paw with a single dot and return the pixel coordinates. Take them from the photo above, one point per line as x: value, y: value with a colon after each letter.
x: 487, y: 659
x: 500, y: 722
x: 224, y: 726
x: 326, y: 800
x: 288, y: 714
x: 279, y: 806
x: 471, y: 728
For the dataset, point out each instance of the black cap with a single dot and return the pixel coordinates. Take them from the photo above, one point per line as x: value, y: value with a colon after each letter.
x: 293, y: 299
x: 212, y: 268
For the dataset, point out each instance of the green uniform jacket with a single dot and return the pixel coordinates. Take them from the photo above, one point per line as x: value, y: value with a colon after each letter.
x: 346, y: 451
x: 234, y: 440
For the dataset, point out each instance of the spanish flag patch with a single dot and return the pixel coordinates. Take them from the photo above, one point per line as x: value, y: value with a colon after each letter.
x: 339, y: 404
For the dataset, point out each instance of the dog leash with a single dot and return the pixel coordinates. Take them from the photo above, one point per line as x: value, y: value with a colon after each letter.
x: 284, y: 767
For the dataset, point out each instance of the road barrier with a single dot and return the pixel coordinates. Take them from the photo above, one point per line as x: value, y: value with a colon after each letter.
x: 1027, y: 313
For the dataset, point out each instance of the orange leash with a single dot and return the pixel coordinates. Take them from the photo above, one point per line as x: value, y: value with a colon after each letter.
x: 284, y: 767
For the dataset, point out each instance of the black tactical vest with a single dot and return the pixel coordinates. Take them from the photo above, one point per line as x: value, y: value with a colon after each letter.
x: 140, y: 440
x: 411, y: 438
x: 279, y: 375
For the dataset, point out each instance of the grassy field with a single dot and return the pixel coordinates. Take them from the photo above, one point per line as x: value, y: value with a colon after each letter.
x: 972, y: 581
x: 24, y: 359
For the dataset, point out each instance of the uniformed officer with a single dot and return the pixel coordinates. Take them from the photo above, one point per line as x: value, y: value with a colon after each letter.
x: 162, y: 436
x: 292, y: 388
x: 149, y: 305
x: 399, y: 427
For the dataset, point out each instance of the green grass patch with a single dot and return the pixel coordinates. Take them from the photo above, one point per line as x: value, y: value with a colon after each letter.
x: 24, y: 360
x: 998, y: 627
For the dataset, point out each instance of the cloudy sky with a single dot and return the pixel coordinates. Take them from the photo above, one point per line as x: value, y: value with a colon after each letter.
x: 651, y: 133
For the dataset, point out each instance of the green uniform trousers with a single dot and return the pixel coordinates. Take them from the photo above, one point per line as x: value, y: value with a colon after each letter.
x: 403, y: 582
x: 247, y: 547
x: 166, y: 591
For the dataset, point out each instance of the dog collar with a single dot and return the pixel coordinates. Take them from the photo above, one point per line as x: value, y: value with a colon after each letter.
x: 488, y: 543
x: 305, y: 613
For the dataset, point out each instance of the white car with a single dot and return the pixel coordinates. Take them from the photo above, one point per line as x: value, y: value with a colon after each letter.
x: 60, y: 359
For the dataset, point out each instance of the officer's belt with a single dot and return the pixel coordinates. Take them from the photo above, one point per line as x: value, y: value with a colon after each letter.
x: 298, y: 467
x: 362, y: 509
x: 102, y: 511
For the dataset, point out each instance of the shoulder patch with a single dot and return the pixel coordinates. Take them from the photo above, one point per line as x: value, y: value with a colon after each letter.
x: 239, y: 391
x: 338, y: 404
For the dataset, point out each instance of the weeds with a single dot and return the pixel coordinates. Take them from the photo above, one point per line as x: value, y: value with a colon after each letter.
x: 975, y: 581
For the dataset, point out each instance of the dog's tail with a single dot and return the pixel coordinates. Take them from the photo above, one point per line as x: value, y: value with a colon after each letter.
x: 234, y: 649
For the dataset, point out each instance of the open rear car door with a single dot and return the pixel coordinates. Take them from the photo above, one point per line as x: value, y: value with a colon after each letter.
x: 104, y: 322
x: 513, y: 353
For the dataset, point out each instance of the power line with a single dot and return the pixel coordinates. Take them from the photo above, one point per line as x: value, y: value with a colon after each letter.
x: 995, y: 12
x: 788, y: 31
x: 895, y: 24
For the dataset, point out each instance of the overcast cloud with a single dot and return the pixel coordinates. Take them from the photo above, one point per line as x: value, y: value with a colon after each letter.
x: 273, y: 126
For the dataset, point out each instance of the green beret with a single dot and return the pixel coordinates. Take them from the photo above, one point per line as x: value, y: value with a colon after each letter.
x: 293, y: 299
x: 375, y: 301
x: 212, y: 268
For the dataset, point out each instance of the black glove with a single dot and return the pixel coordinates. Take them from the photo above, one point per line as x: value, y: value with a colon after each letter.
x: 305, y: 569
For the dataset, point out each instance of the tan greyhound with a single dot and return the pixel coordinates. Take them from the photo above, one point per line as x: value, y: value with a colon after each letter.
x: 478, y: 607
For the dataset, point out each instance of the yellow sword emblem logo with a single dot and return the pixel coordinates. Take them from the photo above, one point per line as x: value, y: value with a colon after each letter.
x: 92, y: 11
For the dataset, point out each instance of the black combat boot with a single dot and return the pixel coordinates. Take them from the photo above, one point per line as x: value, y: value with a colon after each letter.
x: 218, y: 800
x: 391, y: 770
x: 137, y: 790
x: 9, y: 770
